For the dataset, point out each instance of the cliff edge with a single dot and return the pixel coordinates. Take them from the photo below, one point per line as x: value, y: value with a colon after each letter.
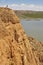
x: 15, y: 47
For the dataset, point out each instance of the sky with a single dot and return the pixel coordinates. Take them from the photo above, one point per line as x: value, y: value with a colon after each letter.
x: 36, y: 5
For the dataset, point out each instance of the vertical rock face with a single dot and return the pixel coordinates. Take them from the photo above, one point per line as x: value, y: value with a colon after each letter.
x: 15, y: 48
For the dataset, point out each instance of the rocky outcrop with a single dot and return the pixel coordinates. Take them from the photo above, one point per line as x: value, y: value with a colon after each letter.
x: 37, y: 48
x: 15, y: 48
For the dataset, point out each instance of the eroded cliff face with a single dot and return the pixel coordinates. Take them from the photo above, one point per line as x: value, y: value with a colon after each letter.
x: 15, y: 48
x: 37, y: 48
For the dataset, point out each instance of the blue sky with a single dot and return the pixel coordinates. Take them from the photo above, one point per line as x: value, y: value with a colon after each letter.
x: 40, y: 2
x: 23, y: 4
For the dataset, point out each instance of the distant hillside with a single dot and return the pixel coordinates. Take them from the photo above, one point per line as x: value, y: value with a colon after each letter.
x: 29, y: 14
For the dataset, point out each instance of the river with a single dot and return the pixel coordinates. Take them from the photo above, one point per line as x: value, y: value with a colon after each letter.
x: 33, y: 28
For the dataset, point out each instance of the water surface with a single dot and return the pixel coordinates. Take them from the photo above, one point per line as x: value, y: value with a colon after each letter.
x: 33, y: 28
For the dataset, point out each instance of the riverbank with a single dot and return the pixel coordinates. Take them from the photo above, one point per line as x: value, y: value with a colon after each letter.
x: 29, y: 14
